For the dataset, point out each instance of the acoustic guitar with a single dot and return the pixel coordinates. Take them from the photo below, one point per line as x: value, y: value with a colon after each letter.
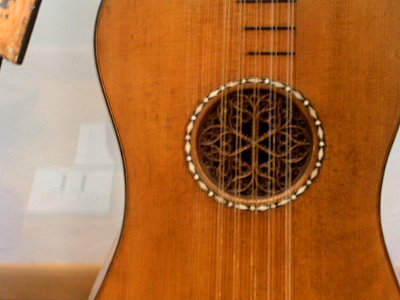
x: 254, y: 135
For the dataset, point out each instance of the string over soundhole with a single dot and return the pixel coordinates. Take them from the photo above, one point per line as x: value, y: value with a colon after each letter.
x: 254, y: 144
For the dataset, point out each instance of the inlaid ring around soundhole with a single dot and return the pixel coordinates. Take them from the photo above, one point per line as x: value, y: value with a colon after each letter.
x: 254, y: 144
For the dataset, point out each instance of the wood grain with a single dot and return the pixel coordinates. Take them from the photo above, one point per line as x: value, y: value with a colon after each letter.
x: 17, y: 18
x: 158, y: 59
x: 47, y: 281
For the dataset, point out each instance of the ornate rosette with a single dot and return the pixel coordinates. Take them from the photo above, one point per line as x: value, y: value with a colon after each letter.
x: 254, y: 144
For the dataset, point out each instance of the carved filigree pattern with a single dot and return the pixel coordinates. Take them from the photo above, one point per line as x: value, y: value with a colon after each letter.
x: 254, y: 142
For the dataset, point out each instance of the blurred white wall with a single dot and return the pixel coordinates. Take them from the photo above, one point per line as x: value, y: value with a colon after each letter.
x: 390, y: 203
x: 61, y: 178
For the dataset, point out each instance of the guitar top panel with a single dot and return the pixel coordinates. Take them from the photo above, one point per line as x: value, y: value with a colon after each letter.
x: 254, y: 136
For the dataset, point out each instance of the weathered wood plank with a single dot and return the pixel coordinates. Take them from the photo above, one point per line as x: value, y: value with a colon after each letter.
x: 47, y: 281
x: 17, y: 18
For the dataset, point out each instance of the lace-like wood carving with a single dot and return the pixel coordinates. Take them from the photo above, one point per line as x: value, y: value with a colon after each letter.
x: 255, y: 144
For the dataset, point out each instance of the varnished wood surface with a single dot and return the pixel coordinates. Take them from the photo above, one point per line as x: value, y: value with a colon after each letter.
x: 47, y: 281
x: 158, y: 59
x: 16, y: 24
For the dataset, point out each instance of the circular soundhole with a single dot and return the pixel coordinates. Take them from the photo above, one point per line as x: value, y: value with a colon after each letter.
x: 254, y: 144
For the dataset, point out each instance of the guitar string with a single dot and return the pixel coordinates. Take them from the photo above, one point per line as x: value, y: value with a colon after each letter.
x: 238, y: 161
x: 292, y: 47
x: 270, y: 144
x: 273, y: 73
x: 292, y: 50
x: 286, y: 176
x: 288, y: 208
x: 222, y: 107
x: 233, y: 290
x: 286, y: 181
x: 262, y: 72
x: 253, y: 162
x: 209, y: 57
x: 254, y: 159
x: 227, y: 56
x: 260, y: 223
x: 196, y: 253
x: 235, y: 184
x: 197, y: 241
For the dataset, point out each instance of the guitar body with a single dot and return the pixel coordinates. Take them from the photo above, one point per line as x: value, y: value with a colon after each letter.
x: 158, y: 60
